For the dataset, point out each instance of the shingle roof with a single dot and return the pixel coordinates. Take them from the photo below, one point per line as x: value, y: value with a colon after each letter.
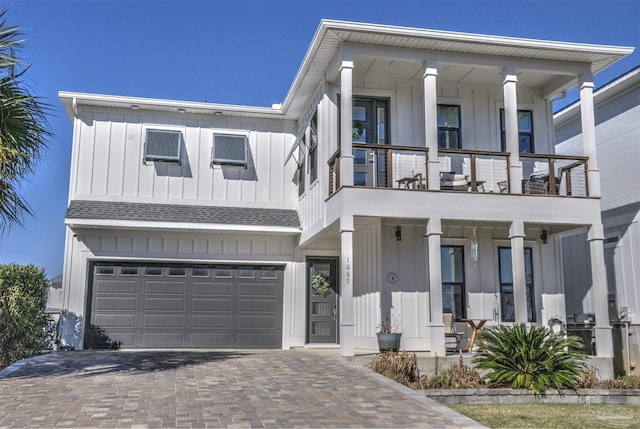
x: 82, y: 209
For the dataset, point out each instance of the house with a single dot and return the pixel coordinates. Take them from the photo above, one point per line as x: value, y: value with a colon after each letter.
x: 617, y: 129
x: 412, y: 170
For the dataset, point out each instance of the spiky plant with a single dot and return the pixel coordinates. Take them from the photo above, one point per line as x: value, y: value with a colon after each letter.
x: 533, y: 358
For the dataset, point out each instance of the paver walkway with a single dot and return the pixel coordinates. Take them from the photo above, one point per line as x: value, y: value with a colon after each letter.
x: 209, y: 389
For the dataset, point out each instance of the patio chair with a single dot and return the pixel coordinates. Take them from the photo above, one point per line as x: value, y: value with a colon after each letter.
x: 452, y: 338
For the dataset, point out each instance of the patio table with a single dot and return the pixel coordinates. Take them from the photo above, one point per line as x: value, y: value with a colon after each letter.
x: 475, y: 329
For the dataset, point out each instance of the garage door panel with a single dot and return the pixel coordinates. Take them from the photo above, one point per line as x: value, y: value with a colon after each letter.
x: 235, y: 306
x: 126, y: 339
x: 259, y: 340
x: 257, y: 322
x: 164, y: 321
x: 211, y: 321
x: 258, y: 305
x: 116, y: 286
x: 114, y: 303
x: 117, y: 320
x: 258, y: 289
x: 222, y: 339
x: 201, y: 304
x: 212, y: 289
x: 174, y: 304
x: 162, y: 339
x: 177, y: 288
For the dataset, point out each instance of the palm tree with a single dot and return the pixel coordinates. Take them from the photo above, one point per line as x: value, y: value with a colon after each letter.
x: 24, y: 128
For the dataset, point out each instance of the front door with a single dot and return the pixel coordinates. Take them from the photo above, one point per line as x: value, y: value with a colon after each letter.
x: 370, y: 127
x: 322, y: 310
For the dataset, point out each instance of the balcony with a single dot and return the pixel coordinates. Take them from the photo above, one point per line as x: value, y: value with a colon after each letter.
x: 406, y: 168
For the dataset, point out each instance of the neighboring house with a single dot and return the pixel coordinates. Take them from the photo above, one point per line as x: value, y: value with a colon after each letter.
x: 408, y: 167
x: 617, y: 119
x: 54, y: 294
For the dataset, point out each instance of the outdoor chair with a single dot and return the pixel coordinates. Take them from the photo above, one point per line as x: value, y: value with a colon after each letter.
x: 452, y: 338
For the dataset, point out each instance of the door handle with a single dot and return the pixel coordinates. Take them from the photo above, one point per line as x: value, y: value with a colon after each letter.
x: 334, y: 312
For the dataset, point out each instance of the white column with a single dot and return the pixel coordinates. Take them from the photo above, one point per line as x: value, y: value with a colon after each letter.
x: 589, y: 133
x: 347, y: 342
x: 431, y: 123
x: 346, y: 123
x: 517, y: 235
x: 604, y: 341
x: 432, y: 249
x: 511, y: 129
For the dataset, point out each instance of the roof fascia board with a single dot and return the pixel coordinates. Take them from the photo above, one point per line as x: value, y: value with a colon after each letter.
x: 126, y: 102
x: 149, y: 225
x: 478, y: 38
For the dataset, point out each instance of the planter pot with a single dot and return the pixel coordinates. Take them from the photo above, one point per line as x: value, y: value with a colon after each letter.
x: 388, y: 342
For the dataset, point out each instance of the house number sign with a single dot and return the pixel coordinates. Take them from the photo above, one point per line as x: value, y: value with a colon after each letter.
x: 348, y: 271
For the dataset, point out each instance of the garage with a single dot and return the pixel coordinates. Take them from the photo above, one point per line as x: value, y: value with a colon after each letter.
x: 146, y: 305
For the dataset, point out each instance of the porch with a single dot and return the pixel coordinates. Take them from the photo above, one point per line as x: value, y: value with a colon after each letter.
x: 407, y: 168
x: 413, y: 270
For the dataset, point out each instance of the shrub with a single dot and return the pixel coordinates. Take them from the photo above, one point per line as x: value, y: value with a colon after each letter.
x: 95, y: 337
x: 589, y: 380
x: 401, y: 367
x: 23, y: 317
x: 533, y: 358
x: 457, y: 377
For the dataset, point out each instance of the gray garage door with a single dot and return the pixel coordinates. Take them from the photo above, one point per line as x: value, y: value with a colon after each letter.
x: 172, y: 305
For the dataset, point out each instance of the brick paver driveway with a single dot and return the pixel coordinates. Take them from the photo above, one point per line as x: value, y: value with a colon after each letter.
x: 209, y: 389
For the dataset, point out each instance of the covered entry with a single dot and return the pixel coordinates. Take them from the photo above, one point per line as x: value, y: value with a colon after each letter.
x: 186, y: 305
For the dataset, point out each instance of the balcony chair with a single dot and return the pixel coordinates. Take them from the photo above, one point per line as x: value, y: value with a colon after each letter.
x: 452, y: 338
x: 451, y: 181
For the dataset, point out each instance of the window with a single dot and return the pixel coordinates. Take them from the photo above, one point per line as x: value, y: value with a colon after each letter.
x: 162, y: 146
x: 105, y: 270
x: 200, y: 271
x: 313, y: 148
x: 452, y: 267
x: 301, y: 165
x: 229, y: 149
x: 177, y: 270
x: 449, y: 127
x: 506, y: 284
x: 129, y: 270
x: 153, y: 270
x: 525, y: 131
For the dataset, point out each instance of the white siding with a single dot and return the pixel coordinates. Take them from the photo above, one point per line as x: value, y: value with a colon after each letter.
x: 110, y: 163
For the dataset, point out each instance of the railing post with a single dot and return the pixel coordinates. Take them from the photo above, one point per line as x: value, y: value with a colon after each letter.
x: 474, y: 183
x: 389, y: 168
x: 552, y: 177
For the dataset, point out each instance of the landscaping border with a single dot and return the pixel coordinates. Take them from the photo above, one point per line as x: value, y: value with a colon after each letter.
x: 522, y: 396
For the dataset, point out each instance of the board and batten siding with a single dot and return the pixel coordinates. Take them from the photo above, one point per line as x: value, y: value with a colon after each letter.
x: 479, y: 111
x: 108, y: 161
x: 186, y: 247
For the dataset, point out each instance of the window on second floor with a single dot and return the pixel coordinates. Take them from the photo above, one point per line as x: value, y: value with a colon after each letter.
x: 449, y: 127
x: 229, y: 149
x: 301, y: 165
x: 162, y: 146
x: 525, y: 131
x: 313, y: 148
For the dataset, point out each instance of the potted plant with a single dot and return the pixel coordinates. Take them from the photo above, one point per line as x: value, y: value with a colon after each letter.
x: 388, y: 335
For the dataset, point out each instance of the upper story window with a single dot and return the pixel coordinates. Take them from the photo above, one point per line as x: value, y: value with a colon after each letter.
x: 230, y: 149
x: 313, y: 148
x: 525, y: 131
x: 301, y: 165
x: 162, y: 145
x: 449, y: 127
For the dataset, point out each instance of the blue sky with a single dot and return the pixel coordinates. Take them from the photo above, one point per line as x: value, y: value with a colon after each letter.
x: 236, y: 52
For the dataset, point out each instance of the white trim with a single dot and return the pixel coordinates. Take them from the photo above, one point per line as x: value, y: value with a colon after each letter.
x: 150, y: 225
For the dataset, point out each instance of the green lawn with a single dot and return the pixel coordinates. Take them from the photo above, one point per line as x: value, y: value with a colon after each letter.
x: 561, y: 416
